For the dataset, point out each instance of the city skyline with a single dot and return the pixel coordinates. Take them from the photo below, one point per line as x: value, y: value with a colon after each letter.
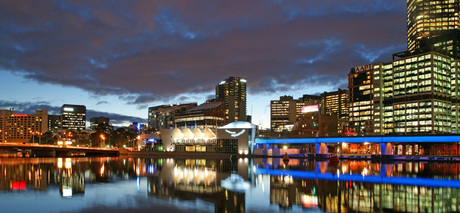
x: 122, y: 59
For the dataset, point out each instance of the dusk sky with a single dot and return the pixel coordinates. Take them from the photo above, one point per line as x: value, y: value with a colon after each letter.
x: 120, y: 57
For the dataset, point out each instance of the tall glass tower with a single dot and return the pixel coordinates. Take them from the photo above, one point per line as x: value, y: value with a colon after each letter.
x: 433, y: 25
x: 232, y: 91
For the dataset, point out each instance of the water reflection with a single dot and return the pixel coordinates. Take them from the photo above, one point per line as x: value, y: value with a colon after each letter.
x: 196, y: 184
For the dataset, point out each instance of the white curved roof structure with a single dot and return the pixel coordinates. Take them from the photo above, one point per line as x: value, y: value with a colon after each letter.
x: 239, y: 125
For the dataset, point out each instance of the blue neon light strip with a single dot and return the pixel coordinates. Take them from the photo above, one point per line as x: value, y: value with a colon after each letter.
x: 392, y: 139
x: 427, y: 182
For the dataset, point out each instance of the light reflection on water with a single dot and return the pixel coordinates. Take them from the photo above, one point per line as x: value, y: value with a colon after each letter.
x: 184, y: 185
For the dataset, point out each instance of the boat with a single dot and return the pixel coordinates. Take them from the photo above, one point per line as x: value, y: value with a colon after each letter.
x: 286, y: 158
x: 235, y: 183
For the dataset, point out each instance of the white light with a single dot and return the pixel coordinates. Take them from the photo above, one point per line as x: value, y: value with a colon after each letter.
x: 243, y: 80
x: 222, y: 82
x: 68, y: 109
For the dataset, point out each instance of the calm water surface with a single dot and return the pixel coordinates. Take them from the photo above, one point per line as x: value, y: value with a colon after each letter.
x: 202, y: 185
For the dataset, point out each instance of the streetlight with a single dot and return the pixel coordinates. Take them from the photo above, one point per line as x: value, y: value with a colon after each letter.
x: 33, y: 137
x: 103, y: 140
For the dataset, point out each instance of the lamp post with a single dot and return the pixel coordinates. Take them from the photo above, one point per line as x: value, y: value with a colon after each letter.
x: 33, y: 136
x: 39, y: 137
x: 103, y: 140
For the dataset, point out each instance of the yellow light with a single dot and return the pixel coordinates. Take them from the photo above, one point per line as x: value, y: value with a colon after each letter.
x: 59, y: 163
x: 102, y: 169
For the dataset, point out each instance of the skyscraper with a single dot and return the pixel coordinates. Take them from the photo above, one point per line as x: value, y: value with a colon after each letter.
x: 73, y: 117
x: 232, y: 91
x: 433, y: 25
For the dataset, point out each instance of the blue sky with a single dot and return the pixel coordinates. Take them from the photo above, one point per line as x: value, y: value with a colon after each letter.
x: 120, y: 57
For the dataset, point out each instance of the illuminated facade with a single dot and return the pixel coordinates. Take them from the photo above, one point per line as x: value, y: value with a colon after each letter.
x: 21, y: 127
x: 236, y: 137
x: 336, y: 103
x: 282, y: 113
x: 232, y: 91
x: 163, y: 116
x: 433, y: 25
x: 73, y: 117
x: 364, y: 106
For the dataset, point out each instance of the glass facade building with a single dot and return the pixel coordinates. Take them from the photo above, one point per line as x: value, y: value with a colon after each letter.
x: 433, y: 24
x: 232, y: 91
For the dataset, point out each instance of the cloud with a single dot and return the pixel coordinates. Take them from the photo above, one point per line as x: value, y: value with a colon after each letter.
x: 102, y: 102
x: 146, y: 51
x: 31, y: 107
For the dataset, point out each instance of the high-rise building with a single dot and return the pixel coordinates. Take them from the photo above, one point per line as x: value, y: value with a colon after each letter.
x: 163, y: 116
x: 285, y: 111
x: 418, y: 92
x: 101, y: 120
x: 73, y: 117
x: 232, y: 91
x: 335, y: 103
x: 20, y: 128
x: 4, y: 115
x: 361, y: 97
x: 433, y: 25
x: 282, y: 113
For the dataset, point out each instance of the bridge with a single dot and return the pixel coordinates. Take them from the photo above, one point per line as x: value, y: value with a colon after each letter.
x: 383, y: 144
x: 54, y: 150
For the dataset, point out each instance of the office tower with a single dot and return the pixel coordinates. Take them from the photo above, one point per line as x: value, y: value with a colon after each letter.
x: 361, y: 83
x: 283, y: 113
x: 73, y: 117
x: 163, y: 116
x: 232, y: 91
x: 335, y: 103
x: 95, y: 122
x: 433, y: 25
x: 21, y: 127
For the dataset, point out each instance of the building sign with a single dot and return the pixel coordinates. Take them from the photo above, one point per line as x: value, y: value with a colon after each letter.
x: 310, y: 108
x: 361, y: 68
x: 235, y: 134
x: 68, y: 109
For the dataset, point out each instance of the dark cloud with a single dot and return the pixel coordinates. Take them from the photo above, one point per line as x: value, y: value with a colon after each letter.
x: 102, y: 102
x: 31, y: 107
x: 146, y: 51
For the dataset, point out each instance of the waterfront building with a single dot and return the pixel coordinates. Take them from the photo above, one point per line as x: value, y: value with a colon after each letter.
x: 96, y: 121
x: 4, y: 115
x: 237, y: 137
x: 73, y: 117
x: 210, y: 114
x: 21, y: 128
x: 361, y: 99
x: 163, y: 116
x: 433, y: 25
x: 232, y: 91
